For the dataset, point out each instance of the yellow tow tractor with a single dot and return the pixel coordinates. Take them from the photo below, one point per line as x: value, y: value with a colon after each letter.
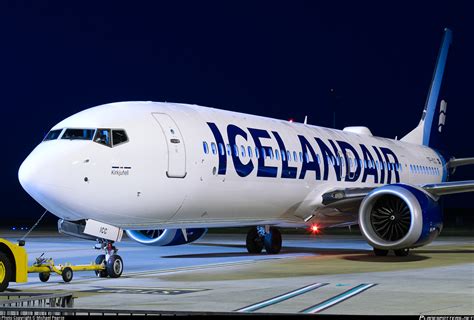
x: 14, y: 266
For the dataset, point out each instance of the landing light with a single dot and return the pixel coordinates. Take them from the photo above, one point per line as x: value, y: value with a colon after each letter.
x: 314, y: 228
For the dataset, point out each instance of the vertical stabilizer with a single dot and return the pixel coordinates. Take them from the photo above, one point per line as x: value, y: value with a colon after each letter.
x: 422, y: 133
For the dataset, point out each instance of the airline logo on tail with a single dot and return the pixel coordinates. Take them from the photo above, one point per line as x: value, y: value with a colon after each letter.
x: 442, y: 115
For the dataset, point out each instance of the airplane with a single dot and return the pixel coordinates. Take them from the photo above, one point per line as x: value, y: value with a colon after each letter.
x: 166, y: 172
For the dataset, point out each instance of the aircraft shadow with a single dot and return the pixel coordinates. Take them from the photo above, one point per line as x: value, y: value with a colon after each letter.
x: 387, y: 259
x: 354, y: 254
x: 244, y: 253
x: 286, y: 249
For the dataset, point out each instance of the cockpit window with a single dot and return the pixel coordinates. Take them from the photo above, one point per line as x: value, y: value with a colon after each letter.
x: 78, y: 134
x: 118, y: 137
x: 103, y: 136
x: 53, y: 135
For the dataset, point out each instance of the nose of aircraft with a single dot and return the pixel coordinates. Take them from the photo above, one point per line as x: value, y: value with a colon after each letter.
x: 26, y: 173
x: 43, y: 176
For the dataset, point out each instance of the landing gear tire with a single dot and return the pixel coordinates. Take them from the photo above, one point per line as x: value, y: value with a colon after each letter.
x: 114, y: 266
x: 272, y: 241
x: 100, y: 260
x: 67, y: 274
x: 253, y: 241
x: 5, y: 271
x: 402, y: 252
x: 380, y: 252
x: 44, y: 276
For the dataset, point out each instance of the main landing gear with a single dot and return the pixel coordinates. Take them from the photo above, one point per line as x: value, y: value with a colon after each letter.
x: 112, y: 261
x: 264, y: 237
x: 399, y: 252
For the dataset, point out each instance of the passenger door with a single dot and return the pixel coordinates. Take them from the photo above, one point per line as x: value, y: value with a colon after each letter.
x: 175, y: 145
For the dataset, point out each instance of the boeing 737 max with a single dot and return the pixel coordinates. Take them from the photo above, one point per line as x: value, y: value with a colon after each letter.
x: 166, y: 172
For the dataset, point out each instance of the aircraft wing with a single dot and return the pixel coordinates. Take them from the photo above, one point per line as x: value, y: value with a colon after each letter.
x: 348, y: 199
x: 441, y: 189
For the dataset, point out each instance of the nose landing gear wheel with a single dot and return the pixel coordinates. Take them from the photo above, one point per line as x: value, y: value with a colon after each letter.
x: 254, y: 242
x: 114, y: 266
x: 272, y: 241
x: 100, y: 260
x: 5, y: 271
x: 67, y: 274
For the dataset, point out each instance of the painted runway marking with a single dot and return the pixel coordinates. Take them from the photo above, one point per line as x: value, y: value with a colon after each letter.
x: 281, y: 298
x: 339, y: 298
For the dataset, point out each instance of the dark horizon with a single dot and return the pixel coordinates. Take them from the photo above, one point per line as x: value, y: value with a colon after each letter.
x: 371, y: 63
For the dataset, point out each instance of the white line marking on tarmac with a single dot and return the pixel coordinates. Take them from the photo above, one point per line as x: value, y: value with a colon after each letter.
x: 338, y: 298
x: 281, y: 298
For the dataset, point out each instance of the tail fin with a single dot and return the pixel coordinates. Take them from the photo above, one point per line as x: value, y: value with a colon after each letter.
x: 422, y: 133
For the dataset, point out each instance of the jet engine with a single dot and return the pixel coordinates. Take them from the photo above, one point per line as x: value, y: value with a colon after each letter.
x: 166, y: 237
x: 399, y: 216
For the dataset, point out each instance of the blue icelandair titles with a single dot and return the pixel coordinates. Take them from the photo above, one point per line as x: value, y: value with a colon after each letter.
x: 378, y: 166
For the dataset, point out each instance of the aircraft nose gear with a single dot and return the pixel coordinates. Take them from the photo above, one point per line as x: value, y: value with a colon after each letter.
x: 264, y: 237
x: 111, y: 260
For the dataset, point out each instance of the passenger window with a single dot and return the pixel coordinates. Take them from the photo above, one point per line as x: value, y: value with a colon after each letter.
x: 221, y: 149
x: 283, y: 155
x: 249, y: 149
x: 295, y: 157
x: 118, y: 137
x: 257, y: 154
x: 288, y: 155
x: 52, y: 135
x: 102, y: 136
x: 318, y: 160
x: 236, y: 150
x: 204, y: 145
x: 270, y: 153
x: 242, y: 151
x: 306, y: 157
x: 229, y: 150
x: 213, y: 148
x: 301, y: 156
x: 277, y: 154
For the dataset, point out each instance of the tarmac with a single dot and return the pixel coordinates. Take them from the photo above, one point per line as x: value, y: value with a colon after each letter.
x: 313, y: 274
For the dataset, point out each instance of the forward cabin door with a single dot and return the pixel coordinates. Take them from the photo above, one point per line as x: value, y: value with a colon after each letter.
x: 175, y: 144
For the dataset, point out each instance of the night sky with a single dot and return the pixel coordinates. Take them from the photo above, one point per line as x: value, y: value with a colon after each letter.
x: 258, y: 57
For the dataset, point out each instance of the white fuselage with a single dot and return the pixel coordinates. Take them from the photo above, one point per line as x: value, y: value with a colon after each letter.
x: 162, y: 176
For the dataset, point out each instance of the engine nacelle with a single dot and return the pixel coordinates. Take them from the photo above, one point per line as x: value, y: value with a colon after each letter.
x: 399, y: 216
x: 165, y: 237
